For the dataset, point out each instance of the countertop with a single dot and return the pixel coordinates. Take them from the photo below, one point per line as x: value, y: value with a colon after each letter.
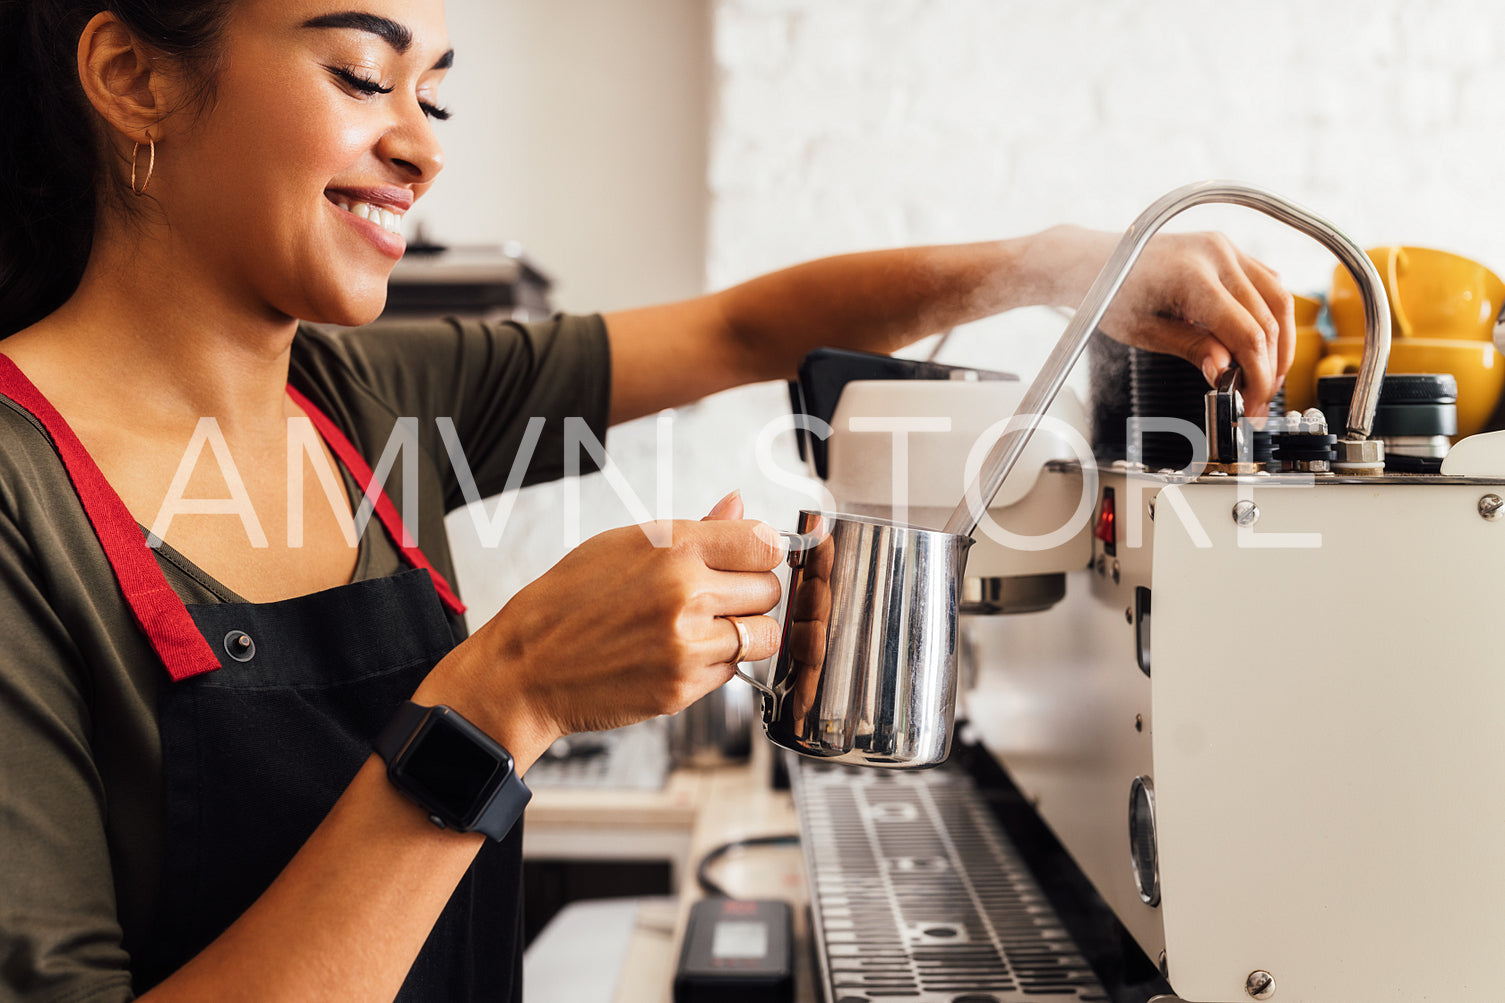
x: 696, y: 811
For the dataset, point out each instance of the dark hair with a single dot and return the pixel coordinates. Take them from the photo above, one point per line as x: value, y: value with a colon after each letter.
x: 52, y: 168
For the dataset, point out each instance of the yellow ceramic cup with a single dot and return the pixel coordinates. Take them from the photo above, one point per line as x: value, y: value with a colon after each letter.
x: 1301, y: 378
x: 1433, y: 294
x: 1478, y: 368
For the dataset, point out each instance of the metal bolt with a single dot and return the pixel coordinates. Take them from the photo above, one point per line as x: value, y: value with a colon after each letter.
x: 1139, y: 722
x: 1490, y: 507
x: 1246, y: 513
x: 1129, y: 615
x: 1260, y: 985
x: 1115, y: 572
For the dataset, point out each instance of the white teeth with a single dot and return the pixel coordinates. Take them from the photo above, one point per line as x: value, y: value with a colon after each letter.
x: 384, y: 218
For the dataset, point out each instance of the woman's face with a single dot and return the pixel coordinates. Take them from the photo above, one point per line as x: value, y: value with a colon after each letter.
x: 290, y: 184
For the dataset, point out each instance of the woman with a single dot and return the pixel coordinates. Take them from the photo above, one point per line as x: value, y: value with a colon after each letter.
x: 191, y: 808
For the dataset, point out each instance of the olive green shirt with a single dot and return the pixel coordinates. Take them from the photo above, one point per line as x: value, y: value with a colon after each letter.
x: 81, y: 828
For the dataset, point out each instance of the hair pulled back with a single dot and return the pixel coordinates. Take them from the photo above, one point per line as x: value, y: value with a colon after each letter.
x: 52, y: 164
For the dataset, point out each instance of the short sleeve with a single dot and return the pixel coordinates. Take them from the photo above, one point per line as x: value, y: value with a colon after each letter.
x: 60, y: 938
x: 492, y: 381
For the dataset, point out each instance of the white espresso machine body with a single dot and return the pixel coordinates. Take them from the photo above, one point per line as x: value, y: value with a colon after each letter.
x: 1266, y: 719
x: 1273, y: 734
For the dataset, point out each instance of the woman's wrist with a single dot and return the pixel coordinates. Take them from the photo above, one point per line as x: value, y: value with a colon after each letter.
x: 1062, y: 262
x: 481, y: 694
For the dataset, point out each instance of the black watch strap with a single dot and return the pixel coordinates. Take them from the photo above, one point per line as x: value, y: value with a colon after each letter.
x: 505, y: 808
x: 398, y: 730
x: 507, y: 801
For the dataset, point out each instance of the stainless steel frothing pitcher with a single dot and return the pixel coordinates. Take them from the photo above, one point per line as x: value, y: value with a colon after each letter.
x: 866, y: 671
x: 867, y: 666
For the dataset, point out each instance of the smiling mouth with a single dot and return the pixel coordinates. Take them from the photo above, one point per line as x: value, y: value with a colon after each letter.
x: 385, y: 218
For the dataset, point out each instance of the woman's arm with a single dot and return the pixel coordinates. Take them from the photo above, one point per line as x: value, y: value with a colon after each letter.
x: 1193, y: 295
x: 620, y: 630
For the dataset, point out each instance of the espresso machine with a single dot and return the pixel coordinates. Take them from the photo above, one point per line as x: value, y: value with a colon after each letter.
x: 1257, y: 697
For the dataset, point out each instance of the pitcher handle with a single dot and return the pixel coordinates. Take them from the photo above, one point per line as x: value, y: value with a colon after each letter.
x: 799, y: 542
x: 760, y: 687
x: 795, y: 543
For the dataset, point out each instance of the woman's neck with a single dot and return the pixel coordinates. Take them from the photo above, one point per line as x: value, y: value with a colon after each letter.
x: 157, y: 338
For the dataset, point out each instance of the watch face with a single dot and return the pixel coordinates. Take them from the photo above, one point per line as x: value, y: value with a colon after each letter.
x: 448, y: 770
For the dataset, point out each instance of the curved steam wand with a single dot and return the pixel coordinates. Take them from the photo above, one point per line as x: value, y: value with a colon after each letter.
x: 1355, y: 448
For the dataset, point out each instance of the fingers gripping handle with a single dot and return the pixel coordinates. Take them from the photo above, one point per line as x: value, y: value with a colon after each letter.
x: 797, y: 544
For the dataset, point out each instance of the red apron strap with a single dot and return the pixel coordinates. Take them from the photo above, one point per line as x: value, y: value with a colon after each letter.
x: 154, y: 604
x: 385, y: 510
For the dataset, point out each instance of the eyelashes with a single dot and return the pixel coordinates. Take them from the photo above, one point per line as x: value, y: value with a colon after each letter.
x: 366, y: 86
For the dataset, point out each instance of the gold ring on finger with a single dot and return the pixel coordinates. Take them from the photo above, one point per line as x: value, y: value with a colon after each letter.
x: 744, y: 640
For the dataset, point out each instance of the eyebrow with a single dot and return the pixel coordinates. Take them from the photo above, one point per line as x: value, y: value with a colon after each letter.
x: 388, y: 30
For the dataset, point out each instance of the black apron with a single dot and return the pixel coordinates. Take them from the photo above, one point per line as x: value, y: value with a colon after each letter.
x: 271, y: 711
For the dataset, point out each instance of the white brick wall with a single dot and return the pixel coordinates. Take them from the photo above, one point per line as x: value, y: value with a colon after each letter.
x: 844, y: 124
x: 847, y: 124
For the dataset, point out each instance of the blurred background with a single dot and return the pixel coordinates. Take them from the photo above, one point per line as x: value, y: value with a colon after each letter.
x: 653, y: 150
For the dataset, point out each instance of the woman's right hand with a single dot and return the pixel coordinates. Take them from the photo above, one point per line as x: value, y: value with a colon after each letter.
x: 618, y: 631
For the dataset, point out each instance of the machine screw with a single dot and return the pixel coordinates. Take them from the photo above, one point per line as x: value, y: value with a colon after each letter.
x: 1139, y: 722
x: 1115, y: 573
x: 1260, y: 985
x: 1129, y: 614
x: 1490, y: 507
x: 1246, y: 513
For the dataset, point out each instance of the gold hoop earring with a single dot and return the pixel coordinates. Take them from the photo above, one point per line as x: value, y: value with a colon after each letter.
x: 151, y: 162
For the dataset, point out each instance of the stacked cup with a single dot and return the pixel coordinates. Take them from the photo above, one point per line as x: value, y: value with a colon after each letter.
x: 1442, y: 313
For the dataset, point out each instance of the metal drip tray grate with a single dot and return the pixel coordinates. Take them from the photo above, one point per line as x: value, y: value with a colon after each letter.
x: 918, y: 895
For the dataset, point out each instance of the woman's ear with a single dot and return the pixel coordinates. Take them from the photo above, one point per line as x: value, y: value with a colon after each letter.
x: 119, y: 79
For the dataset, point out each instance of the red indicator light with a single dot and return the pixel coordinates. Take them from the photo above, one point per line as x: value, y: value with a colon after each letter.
x: 1105, y: 530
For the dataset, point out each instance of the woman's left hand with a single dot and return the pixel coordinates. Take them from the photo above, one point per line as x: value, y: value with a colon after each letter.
x: 1194, y: 295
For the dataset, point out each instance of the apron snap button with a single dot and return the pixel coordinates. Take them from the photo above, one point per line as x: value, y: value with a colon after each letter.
x: 239, y: 646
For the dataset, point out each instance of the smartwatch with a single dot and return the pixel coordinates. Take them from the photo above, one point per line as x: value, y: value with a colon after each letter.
x: 453, y: 770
